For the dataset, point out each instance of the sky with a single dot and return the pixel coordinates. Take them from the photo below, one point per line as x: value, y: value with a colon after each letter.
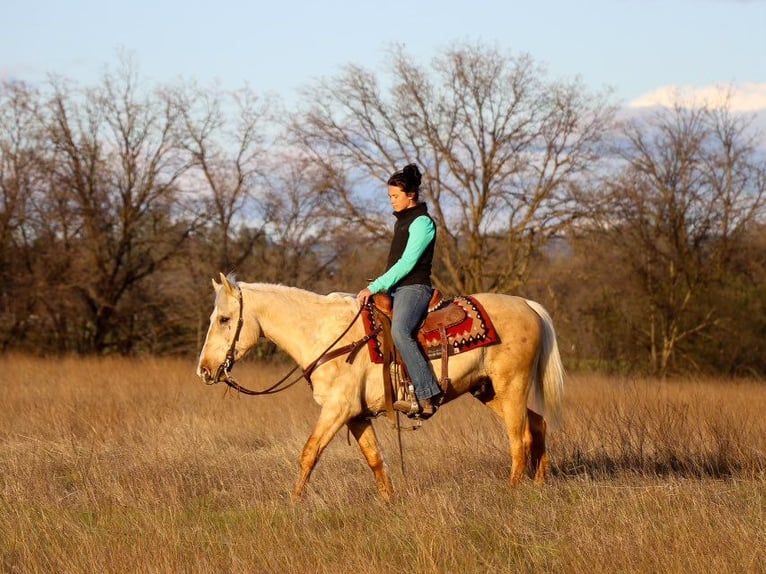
x: 646, y: 51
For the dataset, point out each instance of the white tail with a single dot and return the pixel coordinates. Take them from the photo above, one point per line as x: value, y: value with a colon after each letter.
x: 547, y: 393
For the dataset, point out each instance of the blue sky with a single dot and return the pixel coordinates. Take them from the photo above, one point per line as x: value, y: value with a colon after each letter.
x: 642, y: 49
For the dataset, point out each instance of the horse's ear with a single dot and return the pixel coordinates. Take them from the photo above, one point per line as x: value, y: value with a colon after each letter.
x: 216, y: 284
x: 225, y: 282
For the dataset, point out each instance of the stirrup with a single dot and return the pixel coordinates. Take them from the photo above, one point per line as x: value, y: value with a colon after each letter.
x: 409, y: 408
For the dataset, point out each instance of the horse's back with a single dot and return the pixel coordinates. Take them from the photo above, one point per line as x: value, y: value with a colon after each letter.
x: 508, y: 311
x: 519, y: 327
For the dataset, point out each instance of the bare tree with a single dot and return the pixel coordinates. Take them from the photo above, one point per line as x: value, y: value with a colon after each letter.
x: 118, y: 164
x: 298, y: 251
x: 22, y: 178
x: 227, y: 135
x: 692, y: 184
x: 503, y: 151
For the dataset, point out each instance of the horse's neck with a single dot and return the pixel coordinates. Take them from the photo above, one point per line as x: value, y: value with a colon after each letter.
x: 292, y: 319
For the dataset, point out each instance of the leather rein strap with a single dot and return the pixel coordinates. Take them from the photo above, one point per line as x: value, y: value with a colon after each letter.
x: 351, y: 349
x: 224, y: 370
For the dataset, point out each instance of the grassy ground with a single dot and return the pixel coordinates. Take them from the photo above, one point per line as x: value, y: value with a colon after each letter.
x: 118, y: 465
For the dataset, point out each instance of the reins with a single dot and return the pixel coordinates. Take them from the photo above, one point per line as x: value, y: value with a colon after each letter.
x: 223, y: 373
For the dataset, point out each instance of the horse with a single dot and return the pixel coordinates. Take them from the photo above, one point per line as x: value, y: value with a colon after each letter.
x: 522, y: 370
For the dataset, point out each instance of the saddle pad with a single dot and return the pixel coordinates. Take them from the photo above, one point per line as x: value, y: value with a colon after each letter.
x: 475, y: 331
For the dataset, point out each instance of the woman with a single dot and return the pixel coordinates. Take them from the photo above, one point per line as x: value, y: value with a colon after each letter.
x: 408, y: 280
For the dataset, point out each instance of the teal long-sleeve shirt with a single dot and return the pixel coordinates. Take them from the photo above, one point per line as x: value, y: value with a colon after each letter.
x: 421, y: 234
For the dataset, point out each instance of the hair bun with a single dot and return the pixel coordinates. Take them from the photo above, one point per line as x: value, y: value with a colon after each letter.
x: 412, y: 173
x: 408, y: 178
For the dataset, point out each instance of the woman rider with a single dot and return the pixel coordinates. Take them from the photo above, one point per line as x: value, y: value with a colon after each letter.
x: 408, y: 280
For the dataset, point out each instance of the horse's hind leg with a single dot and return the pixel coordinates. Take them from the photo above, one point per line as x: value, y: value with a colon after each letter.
x: 535, y: 439
x: 364, y: 433
x: 330, y: 420
x: 515, y: 419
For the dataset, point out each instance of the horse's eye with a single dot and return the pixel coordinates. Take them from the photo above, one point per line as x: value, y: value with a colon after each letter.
x: 223, y: 320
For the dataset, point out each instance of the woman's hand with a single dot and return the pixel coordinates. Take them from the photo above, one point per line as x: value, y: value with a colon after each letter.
x: 363, y: 296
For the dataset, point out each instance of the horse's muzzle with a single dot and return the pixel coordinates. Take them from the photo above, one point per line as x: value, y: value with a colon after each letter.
x: 206, y: 376
x: 222, y: 373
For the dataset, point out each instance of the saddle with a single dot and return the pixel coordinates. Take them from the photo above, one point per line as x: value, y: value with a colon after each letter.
x: 440, y: 317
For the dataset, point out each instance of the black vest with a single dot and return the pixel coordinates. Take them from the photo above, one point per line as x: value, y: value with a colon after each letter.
x: 421, y: 273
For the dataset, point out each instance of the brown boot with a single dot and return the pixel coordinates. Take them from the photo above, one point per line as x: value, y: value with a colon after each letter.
x: 428, y: 408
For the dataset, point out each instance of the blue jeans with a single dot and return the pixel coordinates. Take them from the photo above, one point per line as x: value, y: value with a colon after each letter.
x: 410, y: 307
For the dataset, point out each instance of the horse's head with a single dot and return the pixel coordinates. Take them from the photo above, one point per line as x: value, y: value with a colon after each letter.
x: 230, y: 336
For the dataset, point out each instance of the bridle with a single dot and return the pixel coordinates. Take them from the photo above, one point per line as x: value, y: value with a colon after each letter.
x: 228, y: 362
x: 223, y: 373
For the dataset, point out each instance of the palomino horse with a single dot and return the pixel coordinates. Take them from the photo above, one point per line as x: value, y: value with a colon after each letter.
x: 523, y: 367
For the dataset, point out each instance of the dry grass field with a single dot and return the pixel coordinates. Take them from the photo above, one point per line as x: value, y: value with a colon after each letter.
x: 116, y: 465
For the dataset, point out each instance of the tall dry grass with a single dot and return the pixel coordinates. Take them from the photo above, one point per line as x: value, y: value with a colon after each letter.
x: 115, y: 465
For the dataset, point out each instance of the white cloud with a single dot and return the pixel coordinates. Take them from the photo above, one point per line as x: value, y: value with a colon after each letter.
x: 746, y: 97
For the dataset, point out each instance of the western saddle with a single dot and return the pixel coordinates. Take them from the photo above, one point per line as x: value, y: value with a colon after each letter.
x: 440, y: 317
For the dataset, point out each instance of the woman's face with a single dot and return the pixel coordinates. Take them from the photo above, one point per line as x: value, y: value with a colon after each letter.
x: 399, y: 199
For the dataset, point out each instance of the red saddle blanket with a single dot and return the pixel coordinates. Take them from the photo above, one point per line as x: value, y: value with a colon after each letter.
x: 474, y: 331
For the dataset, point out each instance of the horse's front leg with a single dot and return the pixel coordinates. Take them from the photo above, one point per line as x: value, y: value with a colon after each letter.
x: 331, y: 418
x: 364, y: 433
